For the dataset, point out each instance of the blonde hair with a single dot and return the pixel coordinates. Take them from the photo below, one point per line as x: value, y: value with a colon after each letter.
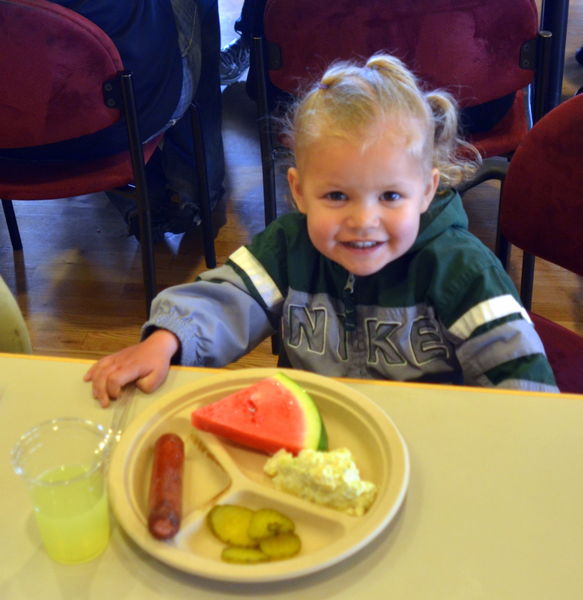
x: 352, y: 101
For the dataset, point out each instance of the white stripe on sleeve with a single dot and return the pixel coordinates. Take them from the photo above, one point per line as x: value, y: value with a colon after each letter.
x: 486, y: 311
x: 259, y: 276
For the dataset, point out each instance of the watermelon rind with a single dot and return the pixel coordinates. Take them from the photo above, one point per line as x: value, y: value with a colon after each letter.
x: 323, y: 441
x: 316, y: 436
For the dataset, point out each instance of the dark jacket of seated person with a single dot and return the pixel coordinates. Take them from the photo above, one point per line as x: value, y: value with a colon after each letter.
x: 144, y: 32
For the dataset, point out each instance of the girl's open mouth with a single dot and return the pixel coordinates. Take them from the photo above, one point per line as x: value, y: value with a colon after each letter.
x: 365, y: 245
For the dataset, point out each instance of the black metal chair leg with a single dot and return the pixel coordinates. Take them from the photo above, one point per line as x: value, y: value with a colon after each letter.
x: 137, y: 156
x: 502, y: 249
x: 554, y: 17
x: 264, y: 117
x: 502, y: 246
x: 527, y: 280
x: 12, y: 224
x: 266, y: 146
x: 208, y: 236
x: 275, y: 343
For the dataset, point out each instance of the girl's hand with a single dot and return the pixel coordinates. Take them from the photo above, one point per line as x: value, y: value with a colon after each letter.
x: 146, y: 363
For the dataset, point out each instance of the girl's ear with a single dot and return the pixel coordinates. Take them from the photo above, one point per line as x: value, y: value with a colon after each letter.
x: 293, y: 180
x: 430, y: 190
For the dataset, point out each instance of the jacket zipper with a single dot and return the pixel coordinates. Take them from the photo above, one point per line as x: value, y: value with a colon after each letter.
x: 349, y: 307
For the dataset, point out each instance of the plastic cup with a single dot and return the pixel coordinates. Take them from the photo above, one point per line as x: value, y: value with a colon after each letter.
x: 62, y: 463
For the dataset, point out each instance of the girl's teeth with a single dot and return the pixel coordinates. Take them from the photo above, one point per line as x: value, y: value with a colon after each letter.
x: 362, y: 244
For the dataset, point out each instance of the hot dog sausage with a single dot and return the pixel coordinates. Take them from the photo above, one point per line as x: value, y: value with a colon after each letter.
x: 165, y: 498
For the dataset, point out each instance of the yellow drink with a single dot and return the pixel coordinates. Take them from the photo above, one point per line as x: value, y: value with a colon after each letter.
x: 72, y: 513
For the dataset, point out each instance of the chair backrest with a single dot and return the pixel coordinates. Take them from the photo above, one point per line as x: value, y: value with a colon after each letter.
x: 41, y: 106
x: 541, y: 209
x: 470, y: 47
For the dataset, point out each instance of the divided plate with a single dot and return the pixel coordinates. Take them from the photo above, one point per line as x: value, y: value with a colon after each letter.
x: 219, y: 472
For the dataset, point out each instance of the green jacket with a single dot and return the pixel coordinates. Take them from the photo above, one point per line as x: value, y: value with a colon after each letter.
x: 446, y: 311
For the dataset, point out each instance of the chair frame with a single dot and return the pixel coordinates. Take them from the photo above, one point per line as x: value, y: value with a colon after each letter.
x: 119, y: 93
x: 554, y: 17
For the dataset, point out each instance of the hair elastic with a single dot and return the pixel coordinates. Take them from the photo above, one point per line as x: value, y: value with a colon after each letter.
x: 323, y: 86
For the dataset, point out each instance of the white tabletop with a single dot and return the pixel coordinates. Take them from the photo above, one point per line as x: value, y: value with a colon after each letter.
x: 494, y: 506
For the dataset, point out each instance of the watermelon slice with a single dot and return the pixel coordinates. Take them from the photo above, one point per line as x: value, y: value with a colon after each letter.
x: 271, y: 414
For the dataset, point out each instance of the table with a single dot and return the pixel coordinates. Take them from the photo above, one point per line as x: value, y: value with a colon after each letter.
x: 493, y: 511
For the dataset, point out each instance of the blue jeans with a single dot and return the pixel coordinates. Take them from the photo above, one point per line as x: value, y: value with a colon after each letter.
x: 170, y: 171
x: 202, y: 60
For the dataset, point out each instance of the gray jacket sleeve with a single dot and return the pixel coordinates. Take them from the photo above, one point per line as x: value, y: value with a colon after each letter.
x: 216, y: 318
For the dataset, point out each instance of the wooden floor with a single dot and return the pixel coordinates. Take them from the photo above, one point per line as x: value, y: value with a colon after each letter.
x: 78, y: 279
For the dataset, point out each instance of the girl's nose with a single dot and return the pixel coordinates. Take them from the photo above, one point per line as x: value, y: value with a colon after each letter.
x: 364, y: 215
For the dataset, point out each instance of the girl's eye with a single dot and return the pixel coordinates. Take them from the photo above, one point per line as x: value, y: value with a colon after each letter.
x: 390, y: 196
x: 336, y: 195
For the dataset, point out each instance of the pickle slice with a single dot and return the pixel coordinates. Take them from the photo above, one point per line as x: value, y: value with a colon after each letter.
x: 230, y: 523
x: 284, y: 545
x: 253, y: 536
x: 247, y: 556
x: 267, y: 522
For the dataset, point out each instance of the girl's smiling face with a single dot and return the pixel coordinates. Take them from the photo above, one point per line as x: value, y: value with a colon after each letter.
x: 363, y: 203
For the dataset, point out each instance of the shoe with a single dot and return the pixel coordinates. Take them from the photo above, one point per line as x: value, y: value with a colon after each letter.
x: 579, y: 55
x: 174, y: 217
x: 182, y: 216
x: 234, y: 61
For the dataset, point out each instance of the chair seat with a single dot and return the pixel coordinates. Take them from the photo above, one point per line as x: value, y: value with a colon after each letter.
x: 564, y: 350
x: 505, y: 136
x: 23, y: 180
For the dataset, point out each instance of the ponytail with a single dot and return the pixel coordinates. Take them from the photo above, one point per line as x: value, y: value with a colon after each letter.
x: 455, y: 158
x: 349, y: 99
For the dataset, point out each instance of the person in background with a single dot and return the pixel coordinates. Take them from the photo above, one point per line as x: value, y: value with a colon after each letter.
x: 172, y: 49
x: 236, y: 55
x: 376, y: 275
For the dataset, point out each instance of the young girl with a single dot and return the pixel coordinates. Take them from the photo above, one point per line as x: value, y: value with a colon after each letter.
x: 375, y: 276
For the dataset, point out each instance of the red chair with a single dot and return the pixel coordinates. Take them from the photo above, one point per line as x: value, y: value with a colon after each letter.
x: 50, y: 93
x: 480, y: 50
x: 540, y: 212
